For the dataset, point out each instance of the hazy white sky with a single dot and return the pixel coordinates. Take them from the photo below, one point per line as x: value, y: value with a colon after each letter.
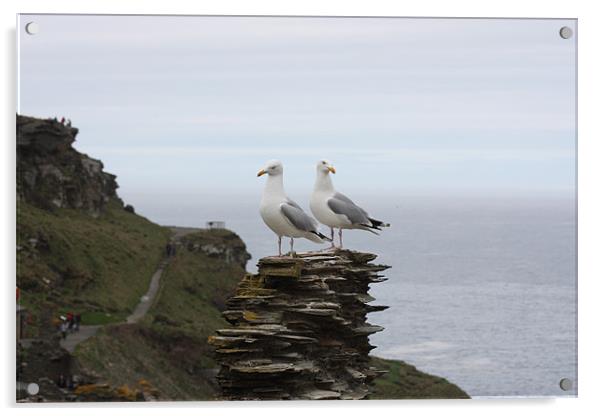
x: 200, y: 103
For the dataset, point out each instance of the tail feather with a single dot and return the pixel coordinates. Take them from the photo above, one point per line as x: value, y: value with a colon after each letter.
x: 377, y: 224
x: 370, y: 229
x: 374, y: 225
x: 320, y: 235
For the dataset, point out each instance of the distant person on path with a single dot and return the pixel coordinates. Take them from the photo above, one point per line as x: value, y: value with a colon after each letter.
x: 170, y: 249
x: 70, y: 320
x: 68, y: 122
x: 77, y: 321
x: 64, y: 330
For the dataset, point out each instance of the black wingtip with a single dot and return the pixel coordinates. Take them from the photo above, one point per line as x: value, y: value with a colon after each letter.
x: 322, y: 236
x: 377, y: 224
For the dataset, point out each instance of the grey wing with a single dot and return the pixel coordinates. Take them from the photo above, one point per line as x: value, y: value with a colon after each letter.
x: 340, y: 204
x: 297, y: 217
x: 342, y: 197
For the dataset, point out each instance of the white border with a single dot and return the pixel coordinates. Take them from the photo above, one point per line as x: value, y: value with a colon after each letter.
x: 590, y: 188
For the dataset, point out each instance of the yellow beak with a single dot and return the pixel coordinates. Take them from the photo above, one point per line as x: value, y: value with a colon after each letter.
x: 261, y: 172
x: 332, y: 169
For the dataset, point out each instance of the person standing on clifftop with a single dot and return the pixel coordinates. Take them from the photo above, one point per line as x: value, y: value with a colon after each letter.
x: 63, y: 120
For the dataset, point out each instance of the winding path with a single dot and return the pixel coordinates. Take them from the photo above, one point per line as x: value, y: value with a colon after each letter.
x: 74, y: 338
x: 86, y: 331
x: 147, y: 300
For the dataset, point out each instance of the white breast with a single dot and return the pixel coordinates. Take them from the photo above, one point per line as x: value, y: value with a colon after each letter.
x: 271, y: 214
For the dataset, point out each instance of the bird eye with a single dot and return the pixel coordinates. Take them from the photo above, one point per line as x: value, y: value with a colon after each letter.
x: 323, y: 162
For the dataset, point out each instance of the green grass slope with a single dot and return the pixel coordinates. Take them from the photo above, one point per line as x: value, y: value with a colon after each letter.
x: 168, y: 348
x: 132, y: 354
x: 197, y: 286
x: 404, y: 381
x: 68, y: 260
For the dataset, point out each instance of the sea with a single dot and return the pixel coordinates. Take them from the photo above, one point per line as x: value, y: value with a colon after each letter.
x: 482, y: 289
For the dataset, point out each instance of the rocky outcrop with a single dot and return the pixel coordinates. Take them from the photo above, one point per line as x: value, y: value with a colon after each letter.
x: 51, y: 173
x: 220, y: 244
x: 299, y: 329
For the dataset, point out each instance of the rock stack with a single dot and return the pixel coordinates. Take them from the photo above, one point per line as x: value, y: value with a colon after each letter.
x: 299, y: 329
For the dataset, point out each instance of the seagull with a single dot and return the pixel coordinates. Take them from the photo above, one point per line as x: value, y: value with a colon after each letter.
x: 281, y: 214
x: 335, y: 210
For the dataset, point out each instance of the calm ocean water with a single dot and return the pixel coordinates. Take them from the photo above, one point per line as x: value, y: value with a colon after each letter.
x: 481, y: 291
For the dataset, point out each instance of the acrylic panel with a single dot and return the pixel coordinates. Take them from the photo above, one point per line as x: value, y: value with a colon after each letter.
x: 295, y: 208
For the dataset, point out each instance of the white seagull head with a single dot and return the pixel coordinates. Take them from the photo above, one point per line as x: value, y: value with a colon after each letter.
x: 272, y: 168
x: 325, y: 167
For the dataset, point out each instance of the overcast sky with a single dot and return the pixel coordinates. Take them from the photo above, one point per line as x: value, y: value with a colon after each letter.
x: 196, y: 104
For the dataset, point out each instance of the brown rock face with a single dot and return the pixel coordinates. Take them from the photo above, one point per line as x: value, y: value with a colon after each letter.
x: 299, y: 329
x: 51, y: 173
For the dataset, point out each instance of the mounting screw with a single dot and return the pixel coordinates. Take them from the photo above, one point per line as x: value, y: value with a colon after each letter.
x: 566, y: 384
x: 33, y: 389
x: 32, y: 28
x: 566, y: 32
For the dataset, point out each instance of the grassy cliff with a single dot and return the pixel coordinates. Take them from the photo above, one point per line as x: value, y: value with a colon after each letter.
x: 206, y: 270
x: 404, y: 381
x: 97, y: 266
x: 168, y: 348
x: 78, y: 248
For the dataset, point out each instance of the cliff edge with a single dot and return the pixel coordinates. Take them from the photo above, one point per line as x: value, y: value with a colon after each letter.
x: 52, y: 174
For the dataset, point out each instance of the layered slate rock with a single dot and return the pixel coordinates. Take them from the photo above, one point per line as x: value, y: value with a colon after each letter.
x: 299, y: 329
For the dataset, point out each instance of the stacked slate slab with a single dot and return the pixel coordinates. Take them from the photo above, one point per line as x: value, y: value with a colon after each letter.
x: 299, y: 329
